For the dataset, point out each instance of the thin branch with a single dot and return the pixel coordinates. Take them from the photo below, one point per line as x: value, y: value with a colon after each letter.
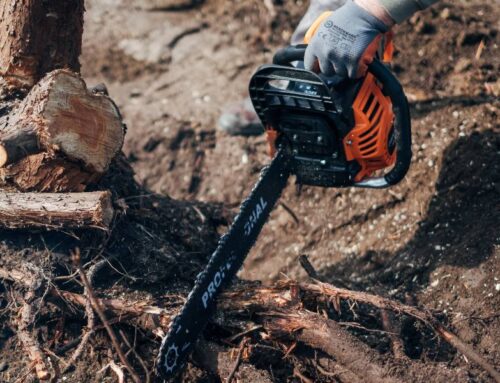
x: 308, y: 267
x: 86, y: 337
x: 466, y: 350
x: 118, y: 371
x: 33, y: 279
x: 238, y: 360
x: 96, y: 306
x: 30, y: 344
x: 298, y: 374
x: 397, y: 346
x: 243, y: 333
x: 137, y: 356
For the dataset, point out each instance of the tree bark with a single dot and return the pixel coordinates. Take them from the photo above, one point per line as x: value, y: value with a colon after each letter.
x: 61, y: 126
x: 60, y: 137
x: 37, y: 37
x: 51, y: 210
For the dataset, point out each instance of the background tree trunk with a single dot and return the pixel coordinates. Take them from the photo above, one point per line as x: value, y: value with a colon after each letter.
x: 55, y: 134
x: 37, y: 37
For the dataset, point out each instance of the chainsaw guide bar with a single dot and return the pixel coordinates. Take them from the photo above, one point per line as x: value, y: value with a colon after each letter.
x: 223, y: 266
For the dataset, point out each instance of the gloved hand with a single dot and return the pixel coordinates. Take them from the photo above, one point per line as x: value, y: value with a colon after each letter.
x: 346, y: 42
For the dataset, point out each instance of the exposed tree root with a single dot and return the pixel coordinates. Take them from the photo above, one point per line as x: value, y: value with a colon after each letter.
x: 31, y: 303
x: 30, y: 344
x: 388, y: 304
x: 279, y: 312
x: 388, y: 325
x: 283, y: 318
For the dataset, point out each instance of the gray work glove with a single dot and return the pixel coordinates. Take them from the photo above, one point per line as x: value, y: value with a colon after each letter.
x: 345, y: 43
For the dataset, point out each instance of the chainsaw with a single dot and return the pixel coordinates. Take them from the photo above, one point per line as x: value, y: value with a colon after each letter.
x: 327, y: 132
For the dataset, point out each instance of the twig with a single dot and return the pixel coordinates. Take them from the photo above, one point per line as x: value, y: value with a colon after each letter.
x: 96, y: 306
x: 137, y: 356
x: 290, y: 350
x: 466, y: 350
x: 243, y: 333
x: 312, y: 273
x: 323, y: 371
x: 33, y: 279
x: 238, y: 360
x: 479, y: 51
x: 30, y: 344
x: 118, y: 371
x: 298, y: 374
x: 68, y: 346
x: 55, y: 356
x: 308, y: 267
x: 290, y: 211
x: 90, y: 316
x: 361, y: 327
x: 84, y: 339
x: 397, y: 346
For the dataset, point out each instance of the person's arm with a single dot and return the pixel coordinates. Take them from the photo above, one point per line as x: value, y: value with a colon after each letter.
x: 347, y: 40
x: 402, y: 10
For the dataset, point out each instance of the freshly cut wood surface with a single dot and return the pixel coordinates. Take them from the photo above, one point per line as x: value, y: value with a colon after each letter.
x: 60, y: 114
x: 74, y: 129
x: 55, y: 210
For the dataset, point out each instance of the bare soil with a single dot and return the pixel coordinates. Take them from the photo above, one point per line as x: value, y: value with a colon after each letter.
x: 433, y: 240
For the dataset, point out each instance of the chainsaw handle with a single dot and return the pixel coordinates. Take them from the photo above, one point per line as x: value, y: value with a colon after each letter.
x: 402, y: 123
x: 291, y: 53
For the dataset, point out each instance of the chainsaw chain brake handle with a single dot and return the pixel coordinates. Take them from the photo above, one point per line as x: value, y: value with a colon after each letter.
x: 402, y: 121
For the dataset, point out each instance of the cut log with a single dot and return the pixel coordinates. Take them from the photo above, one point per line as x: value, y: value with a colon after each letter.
x: 63, y: 119
x: 53, y: 210
x: 37, y: 37
x: 44, y: 173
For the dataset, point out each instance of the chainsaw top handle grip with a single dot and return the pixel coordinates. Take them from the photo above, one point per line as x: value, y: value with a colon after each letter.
x: 402, y: 123
x: 291, y: 53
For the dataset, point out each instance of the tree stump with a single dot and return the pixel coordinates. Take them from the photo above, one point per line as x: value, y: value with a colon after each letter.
x: 37, y: 37
x: 55, y: 134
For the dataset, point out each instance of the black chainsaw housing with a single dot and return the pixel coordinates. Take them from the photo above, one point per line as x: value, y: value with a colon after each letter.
x: 313, y: 115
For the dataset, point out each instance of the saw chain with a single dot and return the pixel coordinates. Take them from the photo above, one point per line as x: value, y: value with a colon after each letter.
x: 223, y: 266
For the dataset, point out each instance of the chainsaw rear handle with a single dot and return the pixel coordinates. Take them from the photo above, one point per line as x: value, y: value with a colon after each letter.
x: 402, y: 123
